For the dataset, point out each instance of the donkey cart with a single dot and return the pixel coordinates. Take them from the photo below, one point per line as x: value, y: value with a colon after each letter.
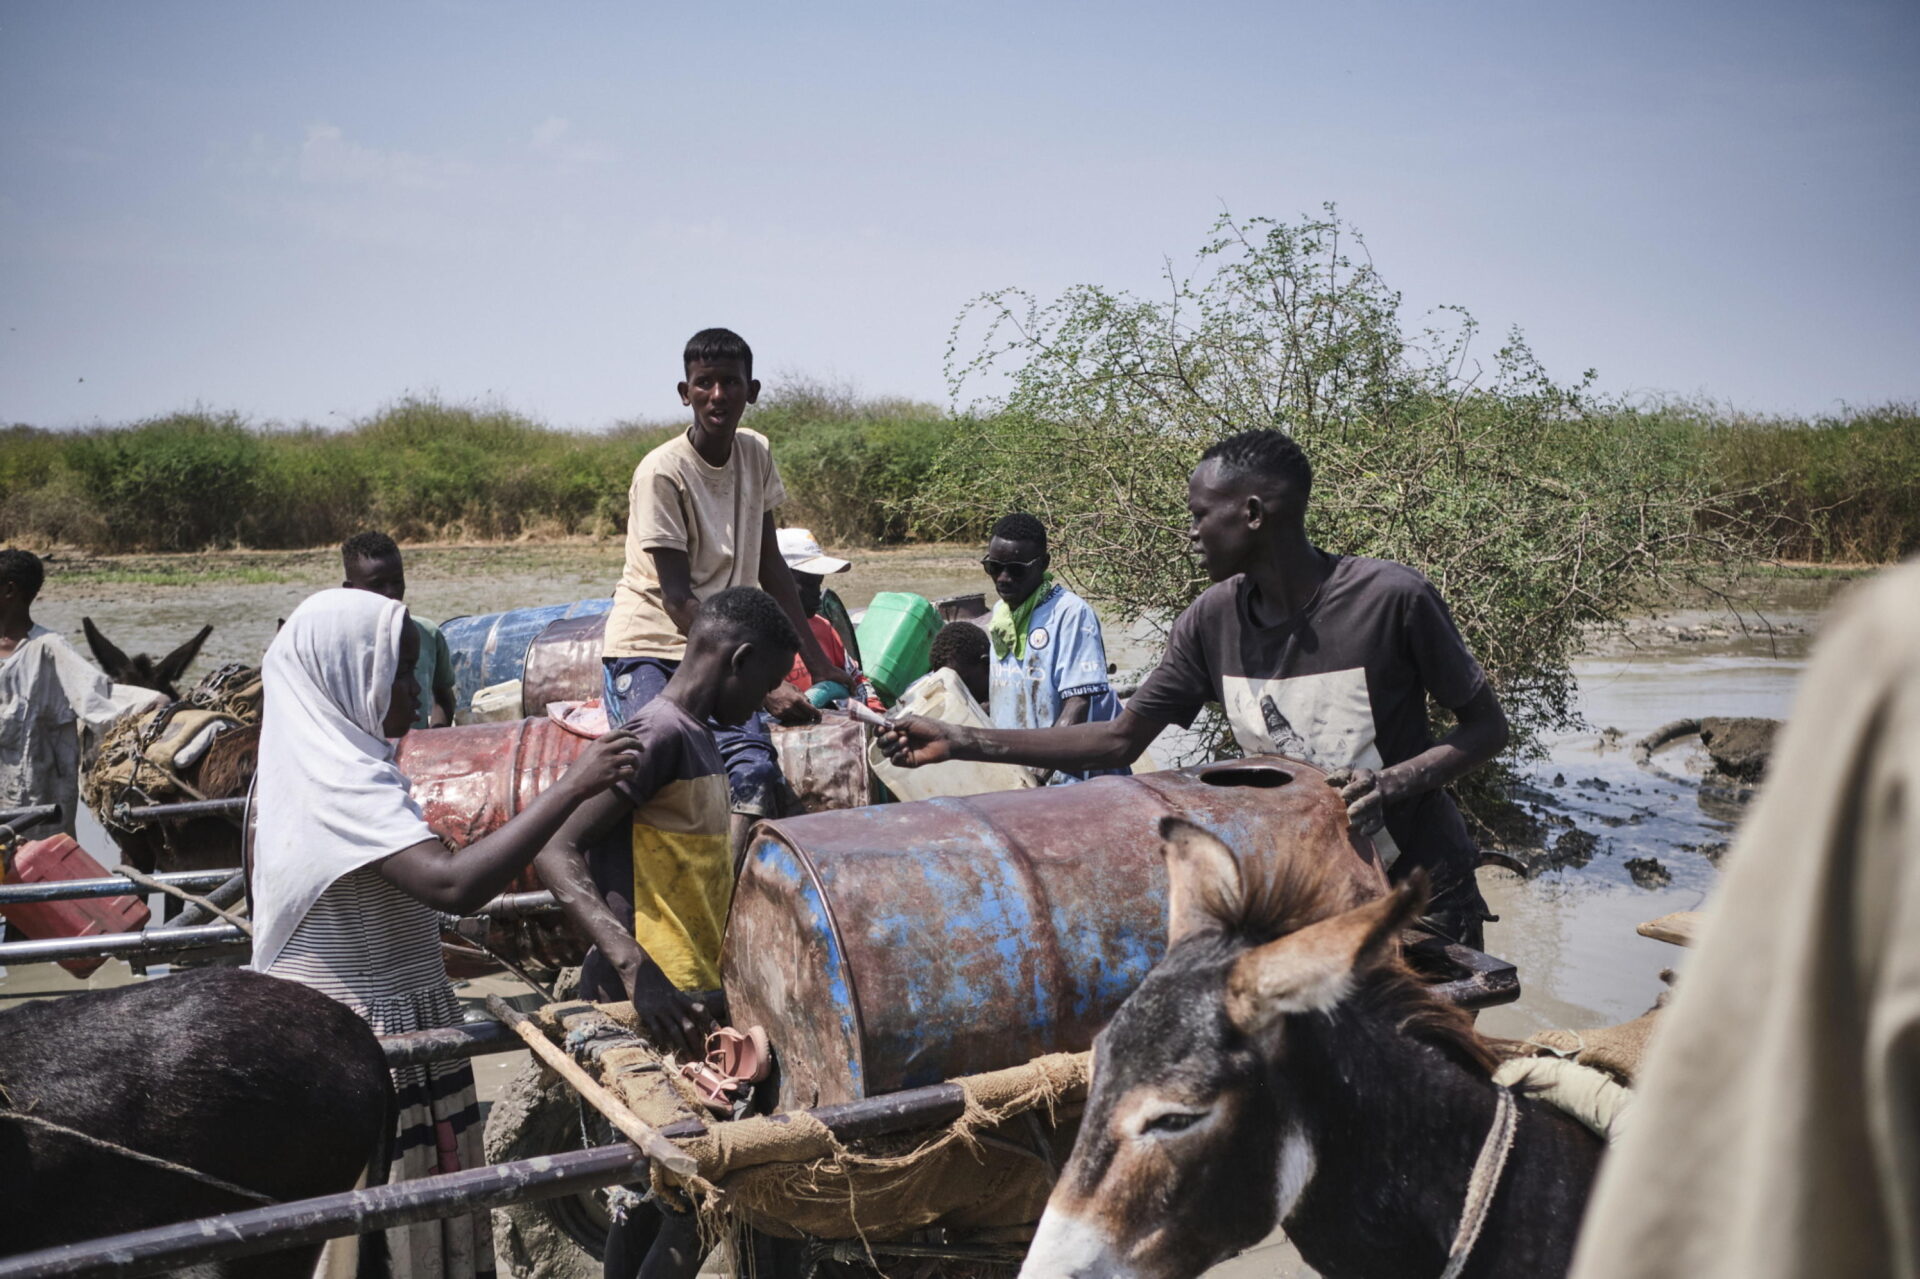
x: 930, y: 977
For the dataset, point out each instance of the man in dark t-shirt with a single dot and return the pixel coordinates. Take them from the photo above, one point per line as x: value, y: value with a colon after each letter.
x: 1323, y: 657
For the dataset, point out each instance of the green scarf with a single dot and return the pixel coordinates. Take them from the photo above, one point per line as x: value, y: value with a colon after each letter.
x: 1008, y: 626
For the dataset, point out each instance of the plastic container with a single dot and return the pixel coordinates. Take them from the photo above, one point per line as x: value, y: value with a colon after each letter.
x: 940, y: 695
x: 903, y: 944
x: 60, y: 859
x: 495, y: 704
x: 896, y: 638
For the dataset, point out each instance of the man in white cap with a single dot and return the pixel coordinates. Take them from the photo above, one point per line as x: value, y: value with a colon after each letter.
x: 811, y: 566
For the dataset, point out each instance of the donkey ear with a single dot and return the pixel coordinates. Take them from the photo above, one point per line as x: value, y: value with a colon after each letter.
x: 111, y: 659
x: 180, y: 658
x: 1201, y: 873
x: 1313, y: 969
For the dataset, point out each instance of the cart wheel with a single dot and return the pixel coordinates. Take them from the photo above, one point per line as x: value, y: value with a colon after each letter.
x: 561, y: 1238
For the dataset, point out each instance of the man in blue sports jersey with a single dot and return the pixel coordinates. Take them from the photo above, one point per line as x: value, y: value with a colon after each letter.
x: 1049, y: 663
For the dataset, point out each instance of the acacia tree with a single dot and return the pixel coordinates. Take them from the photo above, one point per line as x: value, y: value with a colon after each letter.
x: 1536, y: 508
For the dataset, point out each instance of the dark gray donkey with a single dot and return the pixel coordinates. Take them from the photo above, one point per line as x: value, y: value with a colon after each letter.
x: 140, y: 670
x: 1282, y: 1065
x: 247, y: 1086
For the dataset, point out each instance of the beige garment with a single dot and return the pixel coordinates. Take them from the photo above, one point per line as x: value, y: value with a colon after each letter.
x: 53, y: 706
x: 1778, y: 1128
x: 716, y: 514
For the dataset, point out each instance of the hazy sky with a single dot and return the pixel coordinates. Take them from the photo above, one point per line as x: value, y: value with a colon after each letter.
x: 302, y: 211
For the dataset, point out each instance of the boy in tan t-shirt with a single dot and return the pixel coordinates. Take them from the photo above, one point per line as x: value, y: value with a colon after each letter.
x: 700, y: 520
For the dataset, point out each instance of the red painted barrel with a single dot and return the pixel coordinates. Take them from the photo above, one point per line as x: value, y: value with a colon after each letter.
x: 899, y: 945
x: 469, y: 780
x: 60, y: 859
x: 563, y: 663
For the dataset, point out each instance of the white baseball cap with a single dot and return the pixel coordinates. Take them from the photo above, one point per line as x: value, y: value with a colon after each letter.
x: 803, y: 554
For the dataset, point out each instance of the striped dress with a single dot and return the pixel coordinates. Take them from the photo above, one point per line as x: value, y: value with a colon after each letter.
x: 377, y: 950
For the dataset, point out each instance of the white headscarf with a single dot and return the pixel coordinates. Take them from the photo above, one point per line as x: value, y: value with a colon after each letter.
x: 329, y: 797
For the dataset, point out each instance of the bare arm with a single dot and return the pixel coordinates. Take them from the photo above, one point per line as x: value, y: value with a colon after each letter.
x: 1076, y: 748
x: 676, y: 586
x: 457, y: 880
x: 1480, y: 734
x: 562, y: 867
x: 442, y: 713
x: 1073, y: 710
x: 777, y: 580
x: 671, y: 1018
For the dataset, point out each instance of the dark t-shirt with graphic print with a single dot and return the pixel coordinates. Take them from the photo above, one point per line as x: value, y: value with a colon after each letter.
x: 1342, y: 682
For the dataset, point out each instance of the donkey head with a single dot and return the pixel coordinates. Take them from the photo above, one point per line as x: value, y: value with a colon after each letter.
x: 1188, y: 1151
x: 140, y: 670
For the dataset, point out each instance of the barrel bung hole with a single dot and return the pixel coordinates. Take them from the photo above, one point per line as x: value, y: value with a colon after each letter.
x: 1257, y: 776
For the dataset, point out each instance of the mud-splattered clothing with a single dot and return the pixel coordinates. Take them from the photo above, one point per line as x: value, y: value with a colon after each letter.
x: 1065, y: 657
x: 716, y: 514
x: 51, y: 701
x: 1344, y: 681
x: 671, y: 873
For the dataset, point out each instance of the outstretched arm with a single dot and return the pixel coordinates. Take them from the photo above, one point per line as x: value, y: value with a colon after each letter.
x: 1478, y: 736
x: 1075, y: 748
x: 458, y: 880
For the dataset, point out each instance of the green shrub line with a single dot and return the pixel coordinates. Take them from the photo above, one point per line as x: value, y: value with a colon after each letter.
x: 424, y: 470
x: 1844, y: 488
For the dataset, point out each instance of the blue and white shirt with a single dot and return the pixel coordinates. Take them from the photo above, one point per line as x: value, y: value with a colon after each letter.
x: 1065, y: 658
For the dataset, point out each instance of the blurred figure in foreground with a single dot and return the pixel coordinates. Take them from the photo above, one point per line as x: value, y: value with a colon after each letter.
x: 1777, y: 1132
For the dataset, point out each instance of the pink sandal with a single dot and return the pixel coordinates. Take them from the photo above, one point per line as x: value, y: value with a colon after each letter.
x: 734, y: 1058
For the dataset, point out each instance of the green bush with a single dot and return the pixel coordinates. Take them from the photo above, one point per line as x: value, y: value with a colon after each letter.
x: 175, y: 483
x: 423, y: 470
x: 1535, y: 508
x: 1839, y: 488
x: 853, y: 469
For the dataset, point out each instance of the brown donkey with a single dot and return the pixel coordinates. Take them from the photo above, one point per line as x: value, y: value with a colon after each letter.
x: 1282, y: 1065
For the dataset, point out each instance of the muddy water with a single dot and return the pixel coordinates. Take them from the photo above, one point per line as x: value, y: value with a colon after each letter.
x: 1570, y: 930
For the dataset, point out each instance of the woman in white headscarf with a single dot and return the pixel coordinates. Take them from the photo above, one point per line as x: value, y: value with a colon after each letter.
x: 348, y: 880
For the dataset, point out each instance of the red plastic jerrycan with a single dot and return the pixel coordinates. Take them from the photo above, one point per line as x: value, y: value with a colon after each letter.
x: 60, y: 858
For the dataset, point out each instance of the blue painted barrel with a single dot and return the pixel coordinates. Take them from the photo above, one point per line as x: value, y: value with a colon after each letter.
x: 491, y: 648
x: 904, y: 944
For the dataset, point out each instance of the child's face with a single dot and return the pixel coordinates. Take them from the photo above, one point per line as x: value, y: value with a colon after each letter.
x: 753, y: 672
x: 973, y: 672
x: 382, y: 576
x: 718, y: 393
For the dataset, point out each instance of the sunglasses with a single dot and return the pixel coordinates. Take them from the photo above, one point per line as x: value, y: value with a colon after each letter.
x: 996, y: 567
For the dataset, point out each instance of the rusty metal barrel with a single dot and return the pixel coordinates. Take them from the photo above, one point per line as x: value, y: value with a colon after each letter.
x: 563, y: 663
x: 491, y: 648
x: 469, y: 780
x: 899, y: 945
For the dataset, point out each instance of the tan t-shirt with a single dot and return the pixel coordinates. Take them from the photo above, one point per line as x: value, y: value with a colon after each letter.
x: 713, y: 513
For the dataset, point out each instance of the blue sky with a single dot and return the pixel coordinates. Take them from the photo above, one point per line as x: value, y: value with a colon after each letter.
x: 302, y: 212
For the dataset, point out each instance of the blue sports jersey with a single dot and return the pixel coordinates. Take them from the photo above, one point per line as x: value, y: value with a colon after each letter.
x: 1065, y: 658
